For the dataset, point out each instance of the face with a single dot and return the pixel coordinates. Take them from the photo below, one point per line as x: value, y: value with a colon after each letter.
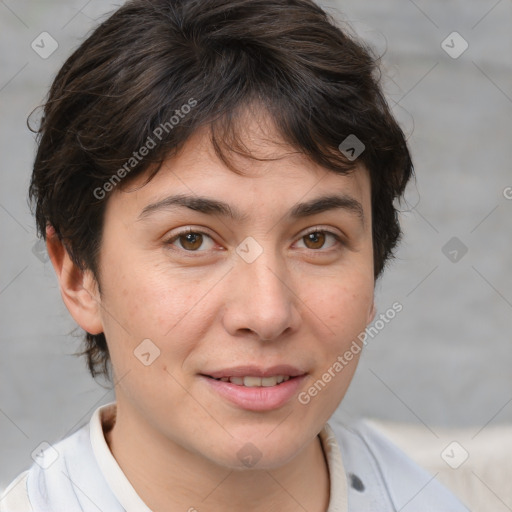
x: 229, y: 319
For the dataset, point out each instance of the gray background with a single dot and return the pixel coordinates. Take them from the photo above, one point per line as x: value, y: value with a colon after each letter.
x: 445, y: 360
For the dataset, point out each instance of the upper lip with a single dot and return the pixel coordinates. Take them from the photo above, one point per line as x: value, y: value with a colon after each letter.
x: 256, y: 371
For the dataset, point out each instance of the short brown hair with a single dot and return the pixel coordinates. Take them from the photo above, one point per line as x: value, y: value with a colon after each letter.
x: 151, y: 58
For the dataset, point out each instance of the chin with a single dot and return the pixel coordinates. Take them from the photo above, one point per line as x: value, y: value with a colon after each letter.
x: 259, y: 452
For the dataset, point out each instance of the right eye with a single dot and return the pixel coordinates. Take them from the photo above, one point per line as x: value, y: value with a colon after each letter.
x: 190, y: 240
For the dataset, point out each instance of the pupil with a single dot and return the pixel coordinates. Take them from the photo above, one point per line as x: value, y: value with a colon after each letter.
x: 193, y: 240
x: 315, y: 238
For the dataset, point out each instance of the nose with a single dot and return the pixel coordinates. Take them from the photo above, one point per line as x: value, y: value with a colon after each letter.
x: 261, y: 300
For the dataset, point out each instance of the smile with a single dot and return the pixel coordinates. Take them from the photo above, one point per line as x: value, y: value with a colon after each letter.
x: 253, y: 392
x: 254, y: 382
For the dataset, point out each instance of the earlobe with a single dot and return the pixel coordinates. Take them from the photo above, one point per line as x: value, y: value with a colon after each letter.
x: 78, y: 288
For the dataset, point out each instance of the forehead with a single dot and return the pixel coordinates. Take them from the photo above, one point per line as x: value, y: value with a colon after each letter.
x: 272, y: 173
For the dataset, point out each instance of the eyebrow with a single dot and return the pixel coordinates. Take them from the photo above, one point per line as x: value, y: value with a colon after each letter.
x: 212, y: 206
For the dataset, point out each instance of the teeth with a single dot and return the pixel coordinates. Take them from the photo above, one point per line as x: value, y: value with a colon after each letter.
x: 254, y: 382
x: 269, y: 381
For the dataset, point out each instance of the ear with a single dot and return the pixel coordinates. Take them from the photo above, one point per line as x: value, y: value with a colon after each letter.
x: 78, y: 288
x: 372, y: 313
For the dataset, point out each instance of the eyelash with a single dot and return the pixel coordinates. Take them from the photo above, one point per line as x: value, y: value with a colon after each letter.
x: 317, y: 229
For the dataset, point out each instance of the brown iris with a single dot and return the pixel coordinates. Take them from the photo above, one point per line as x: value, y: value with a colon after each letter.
x: 192, y: 241
x: 317, y: 238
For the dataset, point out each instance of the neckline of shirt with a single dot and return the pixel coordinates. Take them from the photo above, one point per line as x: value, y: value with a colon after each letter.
x: 104, y: 417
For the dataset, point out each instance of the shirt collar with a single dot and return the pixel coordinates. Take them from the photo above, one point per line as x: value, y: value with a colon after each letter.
x: 103, y: 419
x: 119, y: 484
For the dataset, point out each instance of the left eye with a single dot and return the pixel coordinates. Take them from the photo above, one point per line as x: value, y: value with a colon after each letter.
x: 316, y: 239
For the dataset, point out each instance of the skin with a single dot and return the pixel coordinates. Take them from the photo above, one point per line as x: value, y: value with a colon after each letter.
x: 301, y: 302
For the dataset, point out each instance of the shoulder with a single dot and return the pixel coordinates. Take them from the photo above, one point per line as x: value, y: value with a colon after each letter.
x: 47, y: 484
x: 379, y: 472
x: 58, y: 471
x: 45, y: 480
x: 15, y: 497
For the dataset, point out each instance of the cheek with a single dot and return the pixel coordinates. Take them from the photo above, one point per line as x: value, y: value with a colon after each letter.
x: 163, y: 306
x: 343, y: 304
x: 146, y: 296
x: 343, y: 310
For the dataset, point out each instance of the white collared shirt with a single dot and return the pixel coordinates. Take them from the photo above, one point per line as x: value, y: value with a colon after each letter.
x: 17, y: 495
x: 367, y: 473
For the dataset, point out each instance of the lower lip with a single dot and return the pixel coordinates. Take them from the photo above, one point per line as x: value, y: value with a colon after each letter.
x: 257, y: 398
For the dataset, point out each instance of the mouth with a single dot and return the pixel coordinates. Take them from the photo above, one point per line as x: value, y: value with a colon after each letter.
x: 254, y: 382
x: 255, y: 388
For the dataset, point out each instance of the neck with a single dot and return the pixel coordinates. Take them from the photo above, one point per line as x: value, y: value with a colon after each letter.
x: 174, y: 479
